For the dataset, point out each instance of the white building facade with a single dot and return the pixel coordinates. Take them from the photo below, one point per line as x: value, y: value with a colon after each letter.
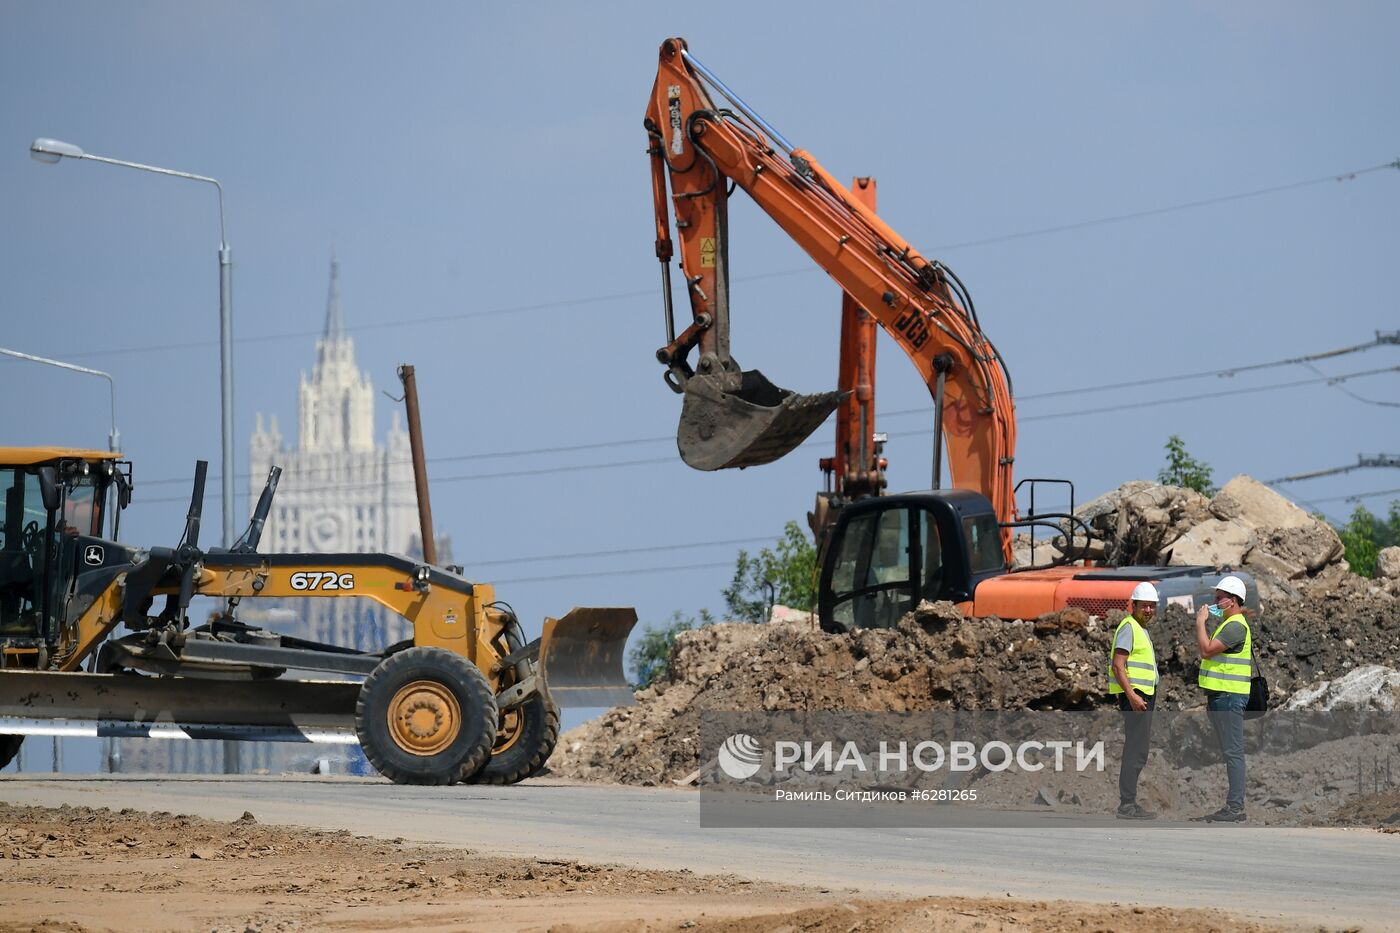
x: 340, y: 492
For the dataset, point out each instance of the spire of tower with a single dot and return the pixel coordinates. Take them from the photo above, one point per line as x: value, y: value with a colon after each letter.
x: 335, y: 322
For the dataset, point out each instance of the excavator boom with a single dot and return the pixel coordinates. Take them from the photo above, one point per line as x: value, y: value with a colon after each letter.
x: 705, y: 139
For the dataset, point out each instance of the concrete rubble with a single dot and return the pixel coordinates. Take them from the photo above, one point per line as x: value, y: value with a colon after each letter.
x: 1373, y: 687
x: 1388, y: 564
x: 1245, y: 525
x: 1321, y: 639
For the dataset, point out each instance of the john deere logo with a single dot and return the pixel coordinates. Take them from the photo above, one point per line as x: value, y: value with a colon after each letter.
x: 93, y: 556
x: 740, y: 756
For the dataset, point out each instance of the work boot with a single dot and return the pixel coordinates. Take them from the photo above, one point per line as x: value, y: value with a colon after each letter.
x: 1225, y: 815
x: 1133, y: 811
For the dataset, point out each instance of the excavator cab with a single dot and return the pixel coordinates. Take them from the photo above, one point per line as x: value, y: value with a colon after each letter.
x: 887, y: 554
x: 742, y: 420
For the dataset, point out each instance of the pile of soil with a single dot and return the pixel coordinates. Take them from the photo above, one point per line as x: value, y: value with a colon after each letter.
x: 1319, y: 622
x: 1381, y: 810
x: 936, y: 659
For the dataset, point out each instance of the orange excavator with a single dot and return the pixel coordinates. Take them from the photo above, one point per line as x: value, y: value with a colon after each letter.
x: 880, y: 554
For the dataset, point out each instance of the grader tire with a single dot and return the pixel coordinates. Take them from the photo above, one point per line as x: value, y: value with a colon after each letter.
x: 524, y: 741
x: 9, y: 748
x: 426, y: 716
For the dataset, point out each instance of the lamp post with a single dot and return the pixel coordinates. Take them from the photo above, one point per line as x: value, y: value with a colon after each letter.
x: 112, y: 437
x: 52, y: 151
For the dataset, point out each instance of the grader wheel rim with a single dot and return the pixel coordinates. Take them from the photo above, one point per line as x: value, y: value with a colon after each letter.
x: 510, y: 729
x: 424, y: 718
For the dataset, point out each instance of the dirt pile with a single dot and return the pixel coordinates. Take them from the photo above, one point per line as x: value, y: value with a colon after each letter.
x: 1381, y: 810
x: 936, y: 659
x: 1319, y: 623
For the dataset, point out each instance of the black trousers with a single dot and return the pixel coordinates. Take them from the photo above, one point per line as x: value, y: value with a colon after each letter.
x: 1137, y: 735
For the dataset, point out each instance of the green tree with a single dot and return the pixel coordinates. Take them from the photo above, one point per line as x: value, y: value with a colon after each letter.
x: 1365, y: 535
x: 1182, y: 469
x: 650, y: 655
x: 790, y: 568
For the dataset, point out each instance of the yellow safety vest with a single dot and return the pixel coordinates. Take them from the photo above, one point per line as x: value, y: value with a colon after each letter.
x: 1229, y: 673
x: 1141, y: 664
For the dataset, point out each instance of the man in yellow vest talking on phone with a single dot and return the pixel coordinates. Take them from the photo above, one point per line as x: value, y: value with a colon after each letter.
x: 1132, y: 678
x: 1227, y: 667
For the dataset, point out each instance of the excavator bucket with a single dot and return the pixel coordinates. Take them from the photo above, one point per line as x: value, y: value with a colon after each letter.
x: 723, y: 426
x: 581, y: 657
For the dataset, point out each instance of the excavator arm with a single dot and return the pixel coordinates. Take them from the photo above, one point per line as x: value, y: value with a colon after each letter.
x: 730, y: 417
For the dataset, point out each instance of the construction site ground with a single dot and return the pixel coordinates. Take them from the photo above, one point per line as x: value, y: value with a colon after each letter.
x: 610, y: 838
x: 341, y: 853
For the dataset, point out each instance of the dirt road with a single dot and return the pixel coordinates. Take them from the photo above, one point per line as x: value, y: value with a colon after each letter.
x: 1306, y: 877
x: 76, y: 868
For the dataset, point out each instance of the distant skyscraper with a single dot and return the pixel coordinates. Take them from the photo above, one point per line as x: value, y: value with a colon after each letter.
x: 340, y: 492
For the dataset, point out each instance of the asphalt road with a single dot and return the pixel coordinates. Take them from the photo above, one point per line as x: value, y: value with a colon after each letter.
x: 1302, y: 877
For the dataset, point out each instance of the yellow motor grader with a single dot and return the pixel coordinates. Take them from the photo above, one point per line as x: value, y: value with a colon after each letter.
x: 464, y: 699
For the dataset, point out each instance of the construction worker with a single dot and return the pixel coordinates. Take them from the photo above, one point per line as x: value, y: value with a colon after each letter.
x: 1132, y: 678
x: 1227, y: 666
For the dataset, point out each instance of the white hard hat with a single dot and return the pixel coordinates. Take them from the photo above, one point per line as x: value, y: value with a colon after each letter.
x: 1232, y: 585
x: 1145, y: 593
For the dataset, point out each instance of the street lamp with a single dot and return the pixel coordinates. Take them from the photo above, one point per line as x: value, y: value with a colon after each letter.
x: 111, y: 386
x: 52, y: 151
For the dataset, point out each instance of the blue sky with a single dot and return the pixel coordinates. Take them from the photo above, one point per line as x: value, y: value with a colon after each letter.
x: 480, y: 173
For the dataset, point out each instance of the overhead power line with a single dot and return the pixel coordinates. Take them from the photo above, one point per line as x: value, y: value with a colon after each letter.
x: 1362, y: 462
x: 1223, y: 393
x: 1358, y: 496
x: 813, y: 442
x: 1381, y: 340
x: 449, y: 317
x: 440, y: 480
x: 636, y: 571
x: 766, y: 539
x: 571, y: 448
x: 1169, y: 209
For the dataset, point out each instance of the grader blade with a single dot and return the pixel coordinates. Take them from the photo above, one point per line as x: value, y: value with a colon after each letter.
x: 53, y: 703
x: 728, y: 422
x: 581, y: 657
